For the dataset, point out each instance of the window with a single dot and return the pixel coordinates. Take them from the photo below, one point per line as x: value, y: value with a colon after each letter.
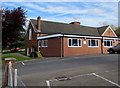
x: 39, y: 44
x: 44, y: 43
x: 30, y: 34
x: 32, y: 49
x: 108, y: 43
x: 93, y: 43
x: 74, y: 43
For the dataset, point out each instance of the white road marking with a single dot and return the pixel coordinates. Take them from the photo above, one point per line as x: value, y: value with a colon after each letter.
x: 106, y: 79
x: 80, y: 75
x: 48, y: 83
x: 23, y: 63
x: 89, y: 74
x: 21, y: 82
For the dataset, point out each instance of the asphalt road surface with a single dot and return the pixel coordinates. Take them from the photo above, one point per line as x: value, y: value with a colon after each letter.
x: 88, y: 70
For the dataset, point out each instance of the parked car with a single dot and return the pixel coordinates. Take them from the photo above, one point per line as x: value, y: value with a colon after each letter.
x: 114, y: 49
x: 15, y: 50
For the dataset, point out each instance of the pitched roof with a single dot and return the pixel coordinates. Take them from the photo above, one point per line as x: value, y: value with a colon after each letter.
x: 56, y: 27
x: 102, y: 29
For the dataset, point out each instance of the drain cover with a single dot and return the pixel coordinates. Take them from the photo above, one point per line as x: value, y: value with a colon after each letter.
x: 62, y: 78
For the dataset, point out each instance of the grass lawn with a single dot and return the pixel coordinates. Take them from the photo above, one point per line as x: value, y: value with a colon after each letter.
x: 13, y: 52
x: 17, y: 57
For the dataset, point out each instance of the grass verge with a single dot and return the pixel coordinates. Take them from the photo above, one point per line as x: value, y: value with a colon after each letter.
x: 19, y: 52
x: 17, y: 57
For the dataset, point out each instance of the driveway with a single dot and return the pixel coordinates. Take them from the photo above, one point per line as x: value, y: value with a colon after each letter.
x: 88, y: 70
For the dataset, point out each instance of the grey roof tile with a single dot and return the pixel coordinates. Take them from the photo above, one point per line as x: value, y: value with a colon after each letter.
x: 56, y: 27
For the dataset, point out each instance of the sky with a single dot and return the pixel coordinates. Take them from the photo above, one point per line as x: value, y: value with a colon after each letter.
x: 93, y: 14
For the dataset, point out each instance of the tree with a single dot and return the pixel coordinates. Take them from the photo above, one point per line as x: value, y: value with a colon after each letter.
x: 117, y: 31
x: 12, y: 25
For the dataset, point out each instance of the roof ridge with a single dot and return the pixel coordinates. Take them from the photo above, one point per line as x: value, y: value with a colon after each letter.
x: 65, y: 23
x: 103, y: 26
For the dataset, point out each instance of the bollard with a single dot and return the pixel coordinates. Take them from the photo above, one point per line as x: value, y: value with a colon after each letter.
x: 7, y: 60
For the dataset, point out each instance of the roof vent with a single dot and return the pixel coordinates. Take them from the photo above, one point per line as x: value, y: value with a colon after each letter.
x: 76, y: 23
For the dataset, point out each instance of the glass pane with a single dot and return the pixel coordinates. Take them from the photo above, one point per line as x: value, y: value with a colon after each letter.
x: 79, y: 42
x: 96, y: 42
x: 74, y: 42
x: 111, y: 43
x: 108, y: 43
x: 70, y: 42
x: 44, y: 43
x: 92, y: 42
x: 89, y: 43
x: 105, y: 43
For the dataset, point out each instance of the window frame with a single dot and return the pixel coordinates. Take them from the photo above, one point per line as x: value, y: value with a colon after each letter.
x: 77, y: 42
x: 95, y: 43
x: 44, y: 43
x: 110, y: 43
x: 30, y: 34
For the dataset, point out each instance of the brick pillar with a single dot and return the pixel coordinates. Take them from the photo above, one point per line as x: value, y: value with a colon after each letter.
x: 7, y: 60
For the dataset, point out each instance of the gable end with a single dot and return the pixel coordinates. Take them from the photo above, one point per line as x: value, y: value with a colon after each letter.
x: 107, y: 32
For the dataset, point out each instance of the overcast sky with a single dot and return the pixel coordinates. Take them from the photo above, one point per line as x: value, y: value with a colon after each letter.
x: 88, y: 13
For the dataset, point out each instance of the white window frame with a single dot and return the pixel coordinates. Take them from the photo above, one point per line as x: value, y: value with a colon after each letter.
x: 95, y: 43
x: 110, y: 43
x: 77, y: 42
x: 44, y: 41
x: 32, y: 49
x: 30, y: 34
x: 39, y: 45
x: 27, y: 51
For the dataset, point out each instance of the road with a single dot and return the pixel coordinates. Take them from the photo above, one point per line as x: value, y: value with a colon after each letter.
x: 36, y: 72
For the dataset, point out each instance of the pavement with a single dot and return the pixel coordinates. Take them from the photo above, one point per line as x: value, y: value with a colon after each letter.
x: 87, y: 70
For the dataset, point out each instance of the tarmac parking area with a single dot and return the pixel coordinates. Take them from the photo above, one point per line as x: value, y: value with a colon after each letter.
x: 89, y: 70
x: 106, y: 78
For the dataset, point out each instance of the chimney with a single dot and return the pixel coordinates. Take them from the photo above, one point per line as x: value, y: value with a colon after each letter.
x: 38, y: 23
x: 76, y: 23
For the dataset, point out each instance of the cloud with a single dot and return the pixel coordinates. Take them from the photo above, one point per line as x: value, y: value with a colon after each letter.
x: 8, y: 4
x: 64, y: 9
x: 60, y: 1
x: 95, y: 13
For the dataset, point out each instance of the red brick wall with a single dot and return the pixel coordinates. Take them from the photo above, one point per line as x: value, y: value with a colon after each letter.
x: 53, y: 49
x: 33, y: 42
x: 109, y: 33
x: 71, y: 51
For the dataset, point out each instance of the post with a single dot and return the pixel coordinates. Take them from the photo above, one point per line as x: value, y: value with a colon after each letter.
x: 7, y: 60
x: 10, y: 75
x: 48, y: 83
x: 15, y: 78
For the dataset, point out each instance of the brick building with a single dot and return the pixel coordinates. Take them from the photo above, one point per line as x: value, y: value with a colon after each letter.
x: 53, y: 39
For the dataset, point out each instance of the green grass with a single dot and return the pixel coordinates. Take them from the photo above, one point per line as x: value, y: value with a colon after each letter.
x: 17, y: 57
x: 14, y: 52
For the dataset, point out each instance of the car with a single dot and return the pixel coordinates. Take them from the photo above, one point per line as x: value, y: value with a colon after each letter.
x: 114, y: 49
x: 15, y: 50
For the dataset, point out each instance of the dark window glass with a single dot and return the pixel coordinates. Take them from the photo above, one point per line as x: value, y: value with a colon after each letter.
x: 97, y: 42
x: 92, y: 42
x: 74, y: 42
x: 105, y: 44
x: 111, y: 43
x: 89, y: 43
x: 79, y: 42
x: 70, y: 42
x: 108, y: 43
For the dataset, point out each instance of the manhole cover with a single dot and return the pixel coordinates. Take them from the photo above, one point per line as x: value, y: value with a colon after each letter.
x: 62, y: 78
